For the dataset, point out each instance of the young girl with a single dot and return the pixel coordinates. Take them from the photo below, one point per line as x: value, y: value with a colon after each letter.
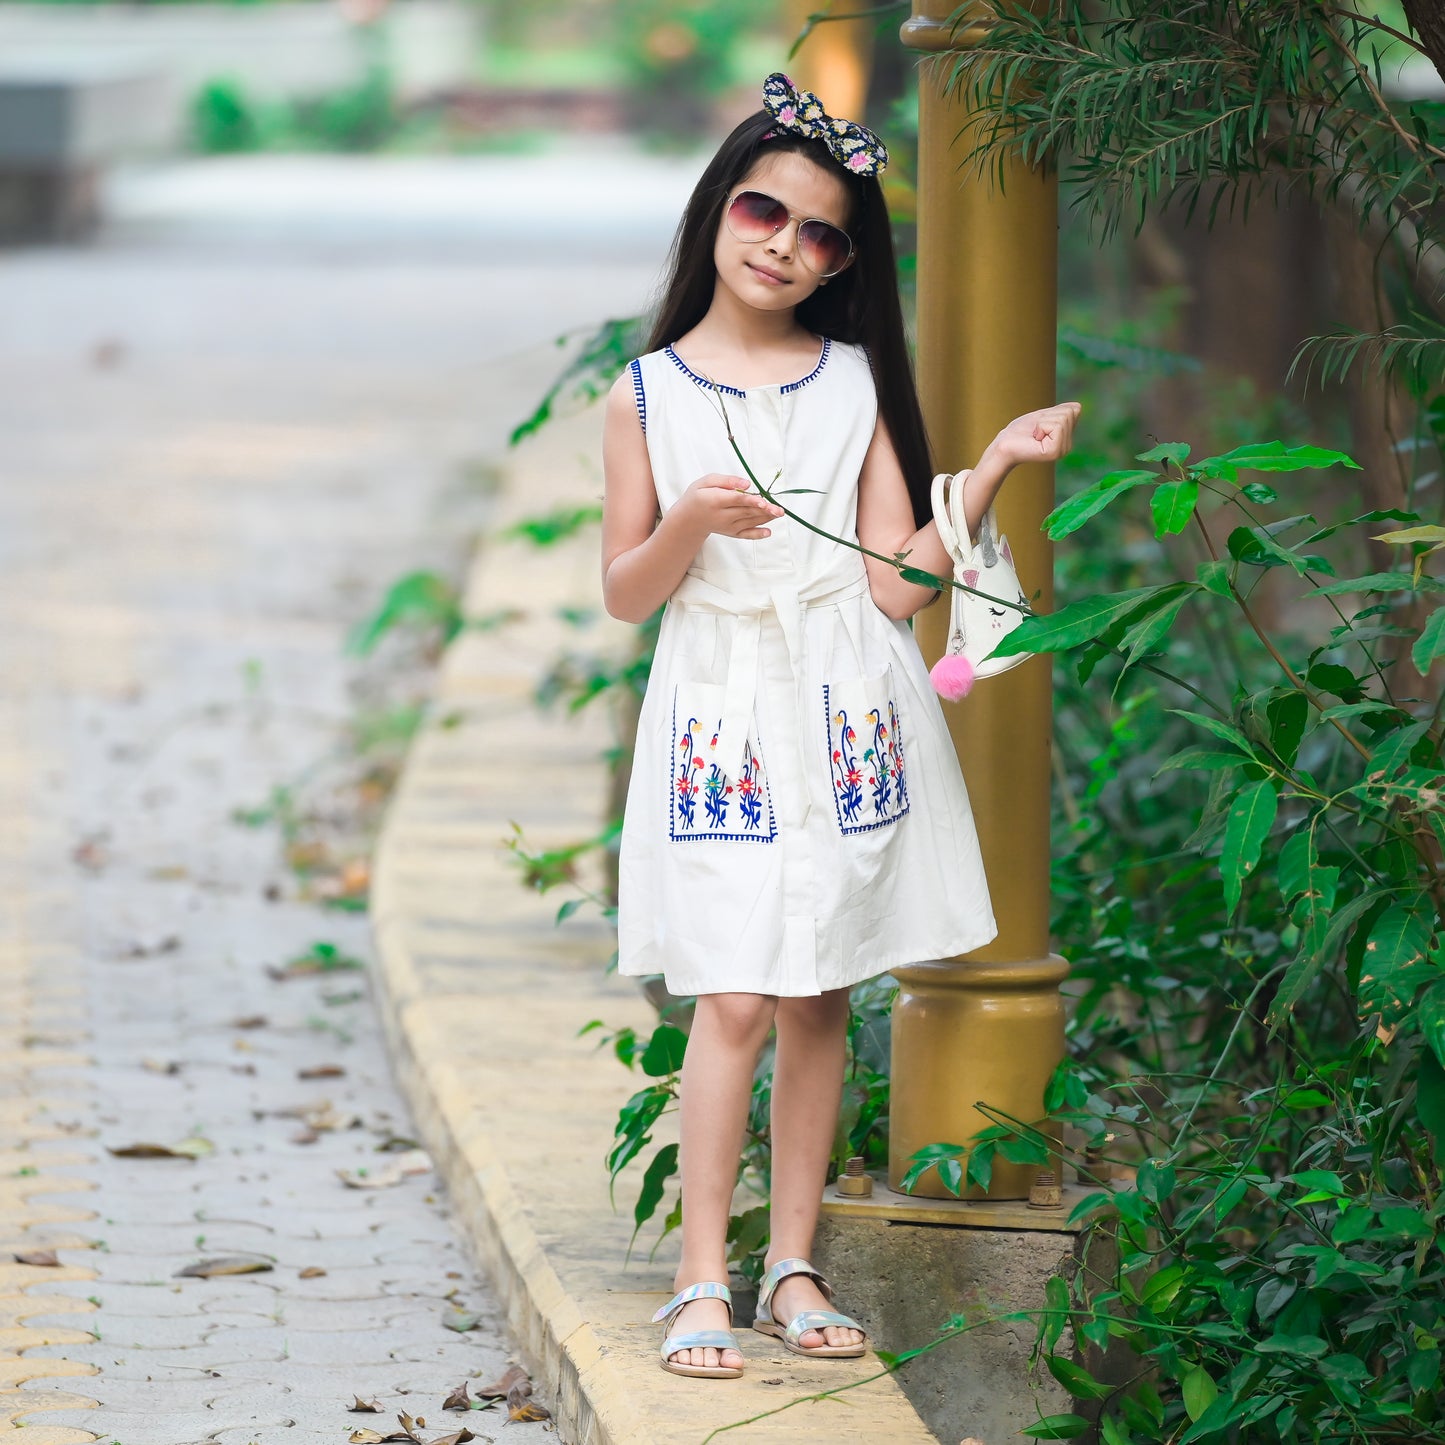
x: 796, y: 820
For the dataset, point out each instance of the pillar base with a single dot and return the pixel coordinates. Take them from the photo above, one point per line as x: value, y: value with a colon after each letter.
x: 966, y: 1033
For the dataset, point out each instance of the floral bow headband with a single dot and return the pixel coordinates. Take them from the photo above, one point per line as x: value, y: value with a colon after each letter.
x: 800, y: 112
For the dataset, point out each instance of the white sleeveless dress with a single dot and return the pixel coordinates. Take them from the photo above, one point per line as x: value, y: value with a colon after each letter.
x: 796, y: 818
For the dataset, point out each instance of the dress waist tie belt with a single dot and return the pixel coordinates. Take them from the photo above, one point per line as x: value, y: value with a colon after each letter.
x: 752, y: 597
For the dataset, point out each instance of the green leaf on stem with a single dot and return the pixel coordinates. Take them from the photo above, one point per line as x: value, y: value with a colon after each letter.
x: 1214, y: 577
x: 1394, y: 963
x: 664, y: 1052
x: 654, y: 1182
x: 1056, y: 1427
x: 1076, y: 1379
x: 1070, y: 515
x: 1430, y: 1095
x: 1165, y: 452
x: 1250, y: 819
x: 1380, y: 582
x: 1432, y: 1018
x: 1172, y: 505
x: 1199, y: 1391
x: 1079, y: 622
x: 1431, y: 642
x: 1276, y: 457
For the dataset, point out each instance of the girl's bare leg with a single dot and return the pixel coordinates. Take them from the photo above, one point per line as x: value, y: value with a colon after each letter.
x: 807, y: 1089
x: 727, y: 1034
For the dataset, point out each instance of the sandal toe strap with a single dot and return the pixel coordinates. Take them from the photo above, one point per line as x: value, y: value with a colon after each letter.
x: 806, y: 1320
x: 699, y: 1340
x: 705, y: 1289
x: 779, y: 1272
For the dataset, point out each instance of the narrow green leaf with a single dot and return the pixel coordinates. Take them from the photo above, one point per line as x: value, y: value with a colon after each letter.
x: 1070, y: 515
x: 1203, y: 759
x: 1080, y: 621
x: 1379, y: 582
x: 1250, y: 819
x: 1056, y: 1298
x: 1225, y: 732
x: 1076, y: 1379
x: 654, y: 1181
x: 1056, y: 1427
x: 1172, y: 505
x: 1276, y: 457
x: 1146, y: 633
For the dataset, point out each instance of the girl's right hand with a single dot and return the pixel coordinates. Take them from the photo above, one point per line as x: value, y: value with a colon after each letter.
x: 725, y: 505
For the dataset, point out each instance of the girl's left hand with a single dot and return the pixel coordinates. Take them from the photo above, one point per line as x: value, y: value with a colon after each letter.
x: 1038, y: 436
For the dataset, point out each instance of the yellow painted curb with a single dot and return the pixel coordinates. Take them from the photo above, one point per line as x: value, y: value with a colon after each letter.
x: 484, y: 997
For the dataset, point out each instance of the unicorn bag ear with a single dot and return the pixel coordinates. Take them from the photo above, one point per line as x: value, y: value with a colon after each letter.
x: 976, y: 625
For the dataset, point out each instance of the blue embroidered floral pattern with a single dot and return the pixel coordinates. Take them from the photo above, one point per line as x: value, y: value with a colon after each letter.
x: 870, y: 788
x: 695, y: 777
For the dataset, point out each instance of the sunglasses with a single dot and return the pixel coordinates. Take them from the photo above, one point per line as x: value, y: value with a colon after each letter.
x: 823, y: 248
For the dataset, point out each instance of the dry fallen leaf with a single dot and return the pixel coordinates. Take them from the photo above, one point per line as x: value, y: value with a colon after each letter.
x: 459, y: 1438
x: 458, y: 1399
x: 414, y: 1161
x: 361, y: 1406
x: 398, y: 1144
x: 43, y: 1258
x: 250, y: 1021
x: 322, y: 1071
x: 305, y: 1136
x: 368, y: 1437
x: 323, y: 1117
x: 168, y: 944
x: 226, y: 1264
x: 161, y: 1066
x: 520, y: 1404
x: 312, y: 1271
x: 192, y: 1148
x: 499, y: 1389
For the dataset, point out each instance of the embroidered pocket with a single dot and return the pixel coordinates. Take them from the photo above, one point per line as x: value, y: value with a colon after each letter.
x: 865, y: 753
x: 703, y: 802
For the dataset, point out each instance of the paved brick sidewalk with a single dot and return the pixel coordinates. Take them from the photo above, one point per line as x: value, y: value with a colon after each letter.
x: 176, y: 575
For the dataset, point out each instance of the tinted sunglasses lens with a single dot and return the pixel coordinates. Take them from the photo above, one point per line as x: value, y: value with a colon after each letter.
x: 824, y: 248
x: 753, y: 216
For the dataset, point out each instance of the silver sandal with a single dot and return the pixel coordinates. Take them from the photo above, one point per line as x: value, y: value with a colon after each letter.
x: 805, y: 1320
x: 699, y: 1339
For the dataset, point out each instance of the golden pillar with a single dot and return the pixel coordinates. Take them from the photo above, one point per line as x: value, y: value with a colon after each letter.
x: 836, y: 59
x: 989, y: 1027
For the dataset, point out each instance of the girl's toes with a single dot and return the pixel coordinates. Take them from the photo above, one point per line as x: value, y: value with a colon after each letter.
x: 811, y: 1339
x: 709, y: 1358
x: 731, y: 1360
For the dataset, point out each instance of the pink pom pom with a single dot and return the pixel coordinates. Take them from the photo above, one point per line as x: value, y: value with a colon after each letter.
x: 952, y: 677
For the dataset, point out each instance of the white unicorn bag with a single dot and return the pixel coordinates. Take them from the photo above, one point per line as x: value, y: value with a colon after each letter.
x: 976, y: 625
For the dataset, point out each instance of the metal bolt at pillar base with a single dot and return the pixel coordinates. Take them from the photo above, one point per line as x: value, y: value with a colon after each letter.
x: 988, y: 1028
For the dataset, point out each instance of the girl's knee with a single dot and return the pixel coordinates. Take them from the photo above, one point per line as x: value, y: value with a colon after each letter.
x: 821, y: 1011
x: 739, y: 1017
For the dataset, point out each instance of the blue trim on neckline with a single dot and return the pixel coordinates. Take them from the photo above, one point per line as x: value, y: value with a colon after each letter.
x: 782, y: 389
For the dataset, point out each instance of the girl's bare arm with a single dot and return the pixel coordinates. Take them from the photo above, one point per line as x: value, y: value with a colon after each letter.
x: 885, y: 514
x: 643, y: 559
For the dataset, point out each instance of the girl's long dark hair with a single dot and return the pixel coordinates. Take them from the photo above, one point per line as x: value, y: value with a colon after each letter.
x: 860, y: 305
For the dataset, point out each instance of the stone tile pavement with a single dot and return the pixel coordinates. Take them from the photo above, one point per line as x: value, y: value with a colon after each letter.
x: 203, y: 485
